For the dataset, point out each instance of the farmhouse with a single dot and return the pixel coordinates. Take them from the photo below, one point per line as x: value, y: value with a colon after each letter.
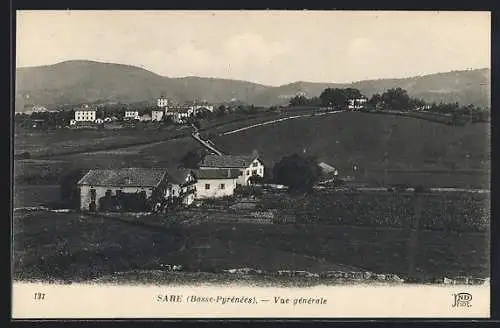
x: 99, y: 187
x: 181, y: 185
x: 356, y: 104
x: 85, y: 114
x: 162, y: 102
x: 97, y: 184
x: 247, y: 166
x: 157, y: 114
x: 178, y: 114
x: 199, y: 107
x: 131, y: 114
x: 216, y: 183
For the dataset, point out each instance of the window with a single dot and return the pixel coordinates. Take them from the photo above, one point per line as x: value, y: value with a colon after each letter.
x: 207, y: 186
x: 222, y: 186
x: 254, y: 172
x: 248, y: 172
x: 260, y: 171
x: 255, y: 164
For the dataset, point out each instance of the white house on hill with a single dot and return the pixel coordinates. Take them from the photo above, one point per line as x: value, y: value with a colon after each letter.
x: 85, y: 114
x: 157, y: 114
x: 355, y: 104
x: 247, y: 166
x: 199, y: 107
x: 162, y: 102
x: 131, y: 114
x: 179, y: 114
x: 216, y: 183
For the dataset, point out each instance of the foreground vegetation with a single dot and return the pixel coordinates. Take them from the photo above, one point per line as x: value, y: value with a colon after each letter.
x: 75, y: 247
x: 439, y: 211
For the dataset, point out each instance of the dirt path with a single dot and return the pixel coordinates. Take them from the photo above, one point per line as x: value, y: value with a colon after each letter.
x: 279, y: 120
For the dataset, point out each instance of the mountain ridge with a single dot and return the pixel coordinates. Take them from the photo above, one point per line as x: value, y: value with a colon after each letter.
x: 81, y: 81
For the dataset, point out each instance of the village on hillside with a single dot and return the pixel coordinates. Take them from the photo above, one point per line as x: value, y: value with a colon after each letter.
x: 159, y: 190
x: 195, y: 164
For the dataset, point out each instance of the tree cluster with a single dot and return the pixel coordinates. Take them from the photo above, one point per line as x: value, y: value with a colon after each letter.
x: 397, y: 99
x: 297, y: 172
x: 338, y: 98
x: 300, y: 100
x: 44, y: 119
x: 192, y: 159
x: 330, y: 97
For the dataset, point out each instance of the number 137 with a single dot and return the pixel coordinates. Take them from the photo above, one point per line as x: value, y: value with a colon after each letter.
x: 39, y: 296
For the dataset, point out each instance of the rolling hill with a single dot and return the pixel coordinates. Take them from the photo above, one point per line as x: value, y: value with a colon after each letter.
x: 418, y: 151
x: 79, y: 81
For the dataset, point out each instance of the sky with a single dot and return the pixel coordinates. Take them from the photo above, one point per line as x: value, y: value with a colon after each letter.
x: 267, y: 47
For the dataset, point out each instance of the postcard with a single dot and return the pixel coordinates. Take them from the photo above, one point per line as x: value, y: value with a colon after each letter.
x: 251, y: 164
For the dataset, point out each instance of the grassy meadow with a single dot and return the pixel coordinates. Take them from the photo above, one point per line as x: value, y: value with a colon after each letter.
x: 76, y: 247
x: 418, y: 151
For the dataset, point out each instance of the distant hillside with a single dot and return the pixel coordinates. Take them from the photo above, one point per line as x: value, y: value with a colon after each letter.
x: 465, y: 87
x: 74, y: 82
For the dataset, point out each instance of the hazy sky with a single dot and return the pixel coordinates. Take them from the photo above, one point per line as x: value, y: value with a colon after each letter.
x: 273, y: 48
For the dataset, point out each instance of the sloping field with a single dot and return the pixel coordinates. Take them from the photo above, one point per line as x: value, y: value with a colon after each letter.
x: 413, y: 146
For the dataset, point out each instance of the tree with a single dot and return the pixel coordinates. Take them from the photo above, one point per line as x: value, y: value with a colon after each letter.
x: 203, y: 113
x: 396, y: 99
x: 221, y: 110
x: 192, y: 159
x: 68, y: 188
x: 296, y: 172
x: 315, y: 101
x: 416, y: 103
x: 375, y: 101
x: 298, y: 101
x: 338, y: 98
x: 352, y: 93
x: 333, y: 98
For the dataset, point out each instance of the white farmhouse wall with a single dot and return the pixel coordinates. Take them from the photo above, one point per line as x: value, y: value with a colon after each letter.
x: 85, y: 115
x: 255, y: 168
x: 156, y: 115
x: 162, y: 102
x: 215, y: 190
x: 131, y: 114
x: 101, y: 192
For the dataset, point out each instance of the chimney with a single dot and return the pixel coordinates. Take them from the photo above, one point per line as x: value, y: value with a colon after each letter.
x: 228, y: 173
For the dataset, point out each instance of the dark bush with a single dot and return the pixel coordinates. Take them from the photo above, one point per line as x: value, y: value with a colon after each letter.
x: 246, y: 191
x: 24, y: 155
